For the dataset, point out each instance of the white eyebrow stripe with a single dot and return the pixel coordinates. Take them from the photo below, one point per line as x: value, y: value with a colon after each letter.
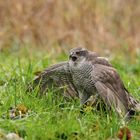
x: 83, y: 49
x: 103, y: 58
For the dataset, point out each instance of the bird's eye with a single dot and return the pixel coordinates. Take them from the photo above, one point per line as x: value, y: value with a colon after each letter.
x: 77, y: 53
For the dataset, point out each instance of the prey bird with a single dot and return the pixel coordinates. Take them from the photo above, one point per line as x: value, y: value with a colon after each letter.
x: 86, y: 74
x: 92, y: 75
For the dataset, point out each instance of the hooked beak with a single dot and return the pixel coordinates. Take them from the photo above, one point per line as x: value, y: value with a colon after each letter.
x: 73, y: 57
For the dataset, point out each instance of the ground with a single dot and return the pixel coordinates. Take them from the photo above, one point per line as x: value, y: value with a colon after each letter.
x: 50, y: 118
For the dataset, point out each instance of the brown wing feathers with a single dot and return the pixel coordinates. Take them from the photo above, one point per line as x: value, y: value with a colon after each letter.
x: 58, y: 76
x: 107, y: 83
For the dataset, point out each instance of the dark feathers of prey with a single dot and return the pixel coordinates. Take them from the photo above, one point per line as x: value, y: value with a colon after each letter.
x: 56, y: 76
x: 86, y: 74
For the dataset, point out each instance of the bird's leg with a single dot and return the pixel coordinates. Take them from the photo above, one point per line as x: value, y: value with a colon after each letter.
x: 83, y: 97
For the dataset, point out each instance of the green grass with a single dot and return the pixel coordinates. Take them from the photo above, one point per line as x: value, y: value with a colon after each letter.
x: 53, y: 118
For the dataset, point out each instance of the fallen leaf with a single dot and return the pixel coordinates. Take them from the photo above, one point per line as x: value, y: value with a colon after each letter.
x: 22, y: 108
x: 124, y: 134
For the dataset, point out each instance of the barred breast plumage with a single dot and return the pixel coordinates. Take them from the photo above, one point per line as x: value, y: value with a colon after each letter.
x: 82, y: 79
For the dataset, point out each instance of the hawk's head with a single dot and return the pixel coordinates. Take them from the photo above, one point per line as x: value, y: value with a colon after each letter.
x: 77, y: 55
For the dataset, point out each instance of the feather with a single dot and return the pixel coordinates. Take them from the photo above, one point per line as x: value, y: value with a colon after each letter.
x: 57, y: 76
x: 110, y: 98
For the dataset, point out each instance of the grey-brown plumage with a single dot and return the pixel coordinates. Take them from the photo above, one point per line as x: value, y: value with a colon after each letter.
x: 56, y: 76
x: 86, y: 74
x: 93, y: 75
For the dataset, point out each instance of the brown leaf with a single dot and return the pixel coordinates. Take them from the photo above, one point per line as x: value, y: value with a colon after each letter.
x: 124, y: 132
x: 22, y: 108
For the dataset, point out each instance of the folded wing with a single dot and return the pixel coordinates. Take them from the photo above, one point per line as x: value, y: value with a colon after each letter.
x: 110, y: 88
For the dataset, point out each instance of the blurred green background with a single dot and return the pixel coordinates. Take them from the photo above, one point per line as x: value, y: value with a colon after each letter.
x: 100, y: 25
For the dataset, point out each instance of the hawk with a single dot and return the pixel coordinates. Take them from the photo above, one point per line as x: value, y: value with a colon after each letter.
x: 86, y: 74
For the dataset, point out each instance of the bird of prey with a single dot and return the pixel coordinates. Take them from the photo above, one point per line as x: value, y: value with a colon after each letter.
x: 94, y: 75
x: 86, y: 74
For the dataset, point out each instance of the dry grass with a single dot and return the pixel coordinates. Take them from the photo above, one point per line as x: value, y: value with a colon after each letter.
x: 95, y: 24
